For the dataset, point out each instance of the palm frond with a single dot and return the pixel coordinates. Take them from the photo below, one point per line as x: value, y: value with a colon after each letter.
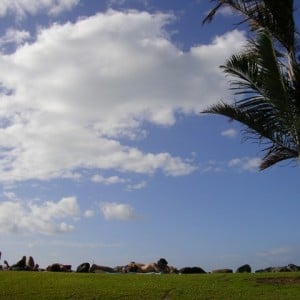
x: 260, y: 125
x: 260, y: 81
x: 273, y: 79
x: 275, y: 156
x: 265, y: 78
x: 276, y: 16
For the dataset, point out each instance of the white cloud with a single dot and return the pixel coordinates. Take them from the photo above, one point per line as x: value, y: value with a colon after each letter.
x: 65, y: 207
x: 80, y: 87
x: 108, y: 180
x: 47, y: 218
x: 21, y: 8
x: 10, y: 196
x: 137, y: 186
x: 247, y: 164
x: 277, y: 251
x: 120, y: 3
x: 62, y: 5
x: 13, y: 36
x: 117, y: 211
x: 226, y: 11
x: 89, y: 213
x: 230, y: 133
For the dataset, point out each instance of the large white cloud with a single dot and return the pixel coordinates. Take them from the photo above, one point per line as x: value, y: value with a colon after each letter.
x: 21, y: 8
x: 47, y: 218
x: 81, y: 86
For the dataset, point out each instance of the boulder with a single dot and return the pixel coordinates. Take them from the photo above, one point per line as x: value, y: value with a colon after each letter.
x: 83, y: 268
x: 19, y: 266
x: 192, y: 270
x: 54, y: 268
x: 243, y: 269
x: 30, y: 265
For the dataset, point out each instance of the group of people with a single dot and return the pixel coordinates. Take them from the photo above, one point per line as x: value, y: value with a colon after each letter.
x: 161, y: 266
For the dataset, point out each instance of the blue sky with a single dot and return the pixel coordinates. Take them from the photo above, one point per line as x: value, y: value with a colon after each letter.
x: 105, y: 157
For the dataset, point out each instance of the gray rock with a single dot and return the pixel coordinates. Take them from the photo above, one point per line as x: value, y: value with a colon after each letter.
x: 83, y: 268
x: 192, y: 270
x: 274, y: 270
x: 243, y: 269
x: 293, y: 268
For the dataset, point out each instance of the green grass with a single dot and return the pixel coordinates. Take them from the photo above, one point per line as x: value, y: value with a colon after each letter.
x: 46, y: 285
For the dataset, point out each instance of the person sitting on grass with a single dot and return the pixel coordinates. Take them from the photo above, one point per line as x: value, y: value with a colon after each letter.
x: 161, y: 266
x: 56, y: 267
x: 100, y: 268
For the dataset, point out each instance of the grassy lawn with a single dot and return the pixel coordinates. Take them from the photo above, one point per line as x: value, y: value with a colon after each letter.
x: 46, y: 285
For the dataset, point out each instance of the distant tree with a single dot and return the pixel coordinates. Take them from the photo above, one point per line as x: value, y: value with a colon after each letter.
x: 265, y: 78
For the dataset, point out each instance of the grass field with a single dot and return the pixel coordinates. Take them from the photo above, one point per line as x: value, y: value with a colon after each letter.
x: 47, y: 285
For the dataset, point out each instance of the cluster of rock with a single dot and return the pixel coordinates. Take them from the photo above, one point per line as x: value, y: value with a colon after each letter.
x: 288, y: 268
x: 188, y: 270
x: 22, y: 265
x: 242, y: 269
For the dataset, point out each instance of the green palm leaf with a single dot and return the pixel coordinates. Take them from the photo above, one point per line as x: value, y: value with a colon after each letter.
x: 265, y: 79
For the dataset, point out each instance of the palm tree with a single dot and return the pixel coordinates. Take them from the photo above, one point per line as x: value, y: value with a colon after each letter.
x: 265, y: 78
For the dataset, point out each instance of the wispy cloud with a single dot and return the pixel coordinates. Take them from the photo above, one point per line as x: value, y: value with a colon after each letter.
x: 13, y: 36
x: 246, y: 164
x: 60, y: 243
x: 122, y: 3
x: 137, y: 186
x: 277, y: 251
x: 108, y: 180
x: 212, y: 166
x: 117, y: 211
x: 83, y: 245
x: 225, y: 11
x: 89, y: 213
x: 22, y: 8
x: 230, y: 133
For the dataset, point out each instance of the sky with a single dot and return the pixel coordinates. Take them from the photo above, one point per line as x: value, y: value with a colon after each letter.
x: 104, y: 154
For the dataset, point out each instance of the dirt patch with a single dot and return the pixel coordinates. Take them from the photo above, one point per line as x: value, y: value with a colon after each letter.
x: 167, y: 294
x: 279, y: 280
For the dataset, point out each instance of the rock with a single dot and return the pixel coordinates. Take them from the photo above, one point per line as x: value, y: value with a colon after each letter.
x: 20, y: 265
x: 54, y: 268
x: 293, y: 268
x: 83, y: 268
x: 30, y: 265
x: 280, y: 269
x: 59, y: 268
x: 259, y: 271
x: 274, y: 270
x: 243, y: 269
x: 192, y: 270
